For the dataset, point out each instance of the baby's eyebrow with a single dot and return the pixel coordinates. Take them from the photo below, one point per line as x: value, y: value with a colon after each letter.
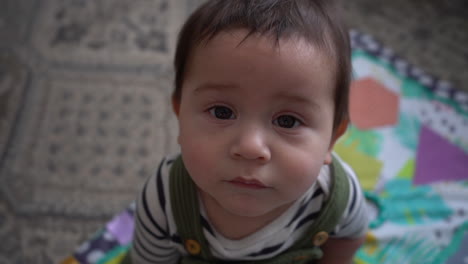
x: 296, y: 98
x: 280, y: 96
x: 206, y: 87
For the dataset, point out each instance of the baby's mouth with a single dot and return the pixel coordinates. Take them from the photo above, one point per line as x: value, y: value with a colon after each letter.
x: 248, y: 183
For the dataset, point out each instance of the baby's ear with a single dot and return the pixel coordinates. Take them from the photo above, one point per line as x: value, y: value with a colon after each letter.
x: 176, y: 108
x: 175, y: 105
x: 341, y: 129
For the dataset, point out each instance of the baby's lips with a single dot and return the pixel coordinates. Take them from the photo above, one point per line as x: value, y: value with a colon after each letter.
x: 249, y: 183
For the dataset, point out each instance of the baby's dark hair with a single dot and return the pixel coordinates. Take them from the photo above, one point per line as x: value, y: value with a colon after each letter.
x: 317, y: 21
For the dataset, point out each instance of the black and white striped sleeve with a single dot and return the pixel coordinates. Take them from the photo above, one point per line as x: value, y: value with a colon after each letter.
x: 151, y: 240
x: 354, y: 221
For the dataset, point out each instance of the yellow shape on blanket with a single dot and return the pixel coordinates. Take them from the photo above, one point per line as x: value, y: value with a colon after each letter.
x: 70, y: 260
x: 366, y: 167
x: 407, y: 172
x: 370, y: 247
x: 116, y: 260
x: 371, y: 244
x: 359, y: 261
x: 409, y: 217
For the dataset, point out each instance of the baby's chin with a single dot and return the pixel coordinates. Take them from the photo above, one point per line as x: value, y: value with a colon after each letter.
x: 251, y: 208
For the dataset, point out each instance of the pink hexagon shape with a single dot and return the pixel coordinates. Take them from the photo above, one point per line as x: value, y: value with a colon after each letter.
x: 372, y: 105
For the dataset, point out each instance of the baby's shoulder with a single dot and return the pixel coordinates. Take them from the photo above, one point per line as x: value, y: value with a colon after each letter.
x: 159, y: 180
x: 165, y: 165
x: 327, y: 176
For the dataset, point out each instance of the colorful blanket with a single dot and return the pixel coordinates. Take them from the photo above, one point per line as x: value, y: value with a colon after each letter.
x: 409, y: 146
x: 408, y: 143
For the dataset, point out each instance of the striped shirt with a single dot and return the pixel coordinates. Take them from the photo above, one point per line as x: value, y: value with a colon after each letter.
x: 156, y: 239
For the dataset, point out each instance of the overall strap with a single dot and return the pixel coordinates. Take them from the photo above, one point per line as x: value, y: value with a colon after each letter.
x: 307, y: 249
x: 186, y: 211
x: 331, y: 213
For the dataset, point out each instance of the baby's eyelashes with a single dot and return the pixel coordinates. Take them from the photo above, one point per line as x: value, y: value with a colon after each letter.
x: 287, y: 121
x: 222, y: 112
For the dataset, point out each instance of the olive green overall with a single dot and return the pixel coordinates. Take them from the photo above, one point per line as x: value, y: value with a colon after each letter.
x: 185, y: 207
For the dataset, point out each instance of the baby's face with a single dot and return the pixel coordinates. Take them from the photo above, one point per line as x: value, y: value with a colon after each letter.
x: 256, y: 121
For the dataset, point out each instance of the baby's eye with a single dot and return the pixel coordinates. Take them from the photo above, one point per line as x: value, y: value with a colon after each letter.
x: 221, y: 112
x: 286, y: 121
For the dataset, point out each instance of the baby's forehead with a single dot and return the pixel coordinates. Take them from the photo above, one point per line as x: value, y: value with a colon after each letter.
x: 267, y: 43
x: 242, y: 36
x: 286, y: 49
x: 255, y: 60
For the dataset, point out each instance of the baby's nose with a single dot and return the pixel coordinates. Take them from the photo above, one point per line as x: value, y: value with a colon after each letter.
x: 251, y: 144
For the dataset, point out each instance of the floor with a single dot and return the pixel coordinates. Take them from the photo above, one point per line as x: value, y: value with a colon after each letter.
x: 84, y: 93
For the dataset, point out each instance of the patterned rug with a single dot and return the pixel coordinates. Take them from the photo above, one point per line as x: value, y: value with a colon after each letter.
x: 84, y: 93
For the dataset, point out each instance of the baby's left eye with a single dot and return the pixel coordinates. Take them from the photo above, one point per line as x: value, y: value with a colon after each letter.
x: 287, y: 121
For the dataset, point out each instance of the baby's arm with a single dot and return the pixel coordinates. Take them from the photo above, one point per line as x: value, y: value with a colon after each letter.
x: 152, y: 241
x: 340, y: 250
x: 350, y: 233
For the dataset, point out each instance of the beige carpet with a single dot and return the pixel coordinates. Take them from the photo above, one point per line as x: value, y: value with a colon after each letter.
x: 84, y: 103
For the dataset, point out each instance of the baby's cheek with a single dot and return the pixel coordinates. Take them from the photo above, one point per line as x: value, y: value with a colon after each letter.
x: 303, y: 172
x: 197, y: 155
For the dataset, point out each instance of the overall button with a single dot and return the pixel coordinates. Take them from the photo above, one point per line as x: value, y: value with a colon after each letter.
x: 192, y: 246
x: 320, y: 238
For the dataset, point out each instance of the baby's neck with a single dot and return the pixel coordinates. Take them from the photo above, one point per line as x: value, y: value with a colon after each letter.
x: 233, y: 226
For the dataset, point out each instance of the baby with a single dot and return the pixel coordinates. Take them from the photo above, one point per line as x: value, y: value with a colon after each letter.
x: 261, y: 96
